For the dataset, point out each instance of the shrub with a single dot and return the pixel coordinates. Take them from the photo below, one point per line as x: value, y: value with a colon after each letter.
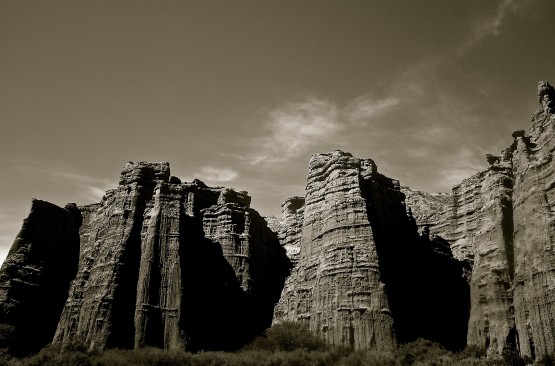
x: 511, y: 357
x: 545, y: 360
x: 368, y: 358
x: 51, y: 356
x: 287, y: 336
x: 472, y: 351
x: 142, y: 357
x: 423, y: 352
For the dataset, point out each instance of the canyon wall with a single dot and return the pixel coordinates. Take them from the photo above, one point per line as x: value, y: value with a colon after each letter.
x: 364, y: 262
x: 494, y: 231
x: 365, y: 278
x: 156, y: 263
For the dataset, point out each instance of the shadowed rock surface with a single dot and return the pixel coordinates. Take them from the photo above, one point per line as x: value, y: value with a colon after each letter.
x: 156, y: 263
x: 35, y: 277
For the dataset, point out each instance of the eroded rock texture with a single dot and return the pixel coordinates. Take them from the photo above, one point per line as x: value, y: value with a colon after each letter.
x: 179, y: 265
x: 500, y: 222
x: 156, y: 263
x: 534, y: 230
x: 362, y: 263
x: 35, y: 277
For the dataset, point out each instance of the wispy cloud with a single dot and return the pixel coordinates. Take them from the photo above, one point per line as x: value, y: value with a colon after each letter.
x: 364, y: 109
x: 94, y: 188
x: 213, y: 174
x: 491, y: 25
x: 90, y: 188
x: 296, y: 128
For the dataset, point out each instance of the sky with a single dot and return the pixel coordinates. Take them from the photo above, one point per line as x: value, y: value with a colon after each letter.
x: 241, y: 93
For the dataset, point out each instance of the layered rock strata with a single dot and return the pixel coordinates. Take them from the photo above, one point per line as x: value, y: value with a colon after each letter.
x: 534, y: 235
x: 500, y: 221
x: 156, y: 263
x: 179, y: 265
x: 362, y: 262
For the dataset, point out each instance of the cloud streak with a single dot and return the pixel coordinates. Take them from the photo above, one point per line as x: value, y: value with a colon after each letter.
x: 213, y: 174
x: 490, y: 26
x: 297, y: 128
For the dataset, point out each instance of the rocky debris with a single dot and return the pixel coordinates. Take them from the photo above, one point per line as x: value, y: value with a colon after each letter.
x: 35, y: 277
x: 157, y: 263
x: 355, y: 236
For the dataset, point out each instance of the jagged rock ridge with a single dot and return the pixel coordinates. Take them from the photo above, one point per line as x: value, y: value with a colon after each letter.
x: 498, y: 225
x: 169, y: 264
x: 156, y: 263
x: 362, y: 263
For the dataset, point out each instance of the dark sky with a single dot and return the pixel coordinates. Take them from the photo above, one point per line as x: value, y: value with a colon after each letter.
x: 241, y: 93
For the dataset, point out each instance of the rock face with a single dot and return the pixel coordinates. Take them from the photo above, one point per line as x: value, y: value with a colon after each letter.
x: 534, y: 236
x: 494, y: 230
x: 35, y: 277
x: 500, y: 221
x: 362, y: 262
x: 156, y: 263
x: 180, y: 265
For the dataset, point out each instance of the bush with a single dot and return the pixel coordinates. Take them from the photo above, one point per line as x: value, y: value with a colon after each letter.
x: 368, y: 358
x: 287, y: 336
x: 142, y: 357
x: 423, y: 352
x: 545, y: 360
x: 51, y: 356
x: 511, y: 357
x: 472, y: 351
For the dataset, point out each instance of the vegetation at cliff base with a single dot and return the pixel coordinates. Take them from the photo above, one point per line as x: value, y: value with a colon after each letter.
x: 286, y: 344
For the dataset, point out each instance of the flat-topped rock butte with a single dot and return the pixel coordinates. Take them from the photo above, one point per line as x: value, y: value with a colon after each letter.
x: 364, y: 261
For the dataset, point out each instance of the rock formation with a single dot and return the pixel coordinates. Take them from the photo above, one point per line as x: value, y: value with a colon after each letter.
x: 362, y: 264
x: 180, y: 265
x: 533, y: 207
x: 35, y: 277
x: 501, y: 222
x: 498, y: 225
x: 156, y: 263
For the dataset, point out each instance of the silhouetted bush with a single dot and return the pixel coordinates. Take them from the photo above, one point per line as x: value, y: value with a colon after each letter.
x: 368, y: 358
x: 142, y: 357
x: 472, y: 351
x: 287, y: 336
x: 545, y: 360
x: 423, y: 352
x: 512, y: 358
x: 51, y: 356
x: 286, y: 344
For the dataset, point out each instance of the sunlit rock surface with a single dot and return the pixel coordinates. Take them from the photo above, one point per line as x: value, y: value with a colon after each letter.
x: 362, y: 263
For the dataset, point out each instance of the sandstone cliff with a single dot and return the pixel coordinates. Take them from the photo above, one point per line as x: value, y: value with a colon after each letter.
x: 179, y: 265
x: 500, y: 221
x: 364, y: 277
x: 156, y: 263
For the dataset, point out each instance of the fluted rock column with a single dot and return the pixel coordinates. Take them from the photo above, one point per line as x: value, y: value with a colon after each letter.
x: 336, y: 287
